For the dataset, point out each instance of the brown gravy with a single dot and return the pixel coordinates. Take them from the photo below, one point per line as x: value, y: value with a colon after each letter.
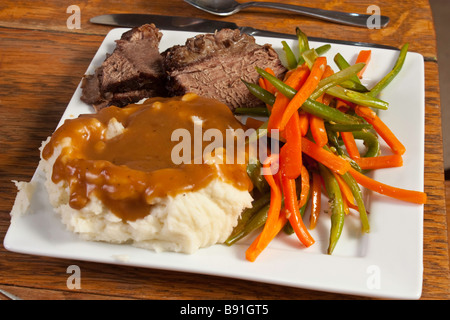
x: 129, y: 170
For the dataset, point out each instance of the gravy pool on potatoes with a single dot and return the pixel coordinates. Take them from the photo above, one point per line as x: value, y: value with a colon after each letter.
x: 128, y: 169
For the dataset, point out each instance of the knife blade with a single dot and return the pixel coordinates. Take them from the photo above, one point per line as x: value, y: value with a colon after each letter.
x: 179, y: 23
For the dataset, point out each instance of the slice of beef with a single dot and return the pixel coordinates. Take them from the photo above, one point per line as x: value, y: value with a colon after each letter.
x: 212, y: 65
x: 132, y: 72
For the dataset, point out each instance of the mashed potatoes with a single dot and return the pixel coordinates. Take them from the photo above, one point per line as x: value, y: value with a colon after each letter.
x: 180, y: 222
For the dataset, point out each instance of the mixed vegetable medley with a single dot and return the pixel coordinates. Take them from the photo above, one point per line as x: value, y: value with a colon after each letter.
x: 320, y: 115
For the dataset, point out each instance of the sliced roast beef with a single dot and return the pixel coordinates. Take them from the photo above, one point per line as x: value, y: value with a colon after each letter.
x: 212, y: 65
x: 132, y: 72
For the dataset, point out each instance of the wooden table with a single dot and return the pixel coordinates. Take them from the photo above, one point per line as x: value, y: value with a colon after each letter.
x: 41, y: 64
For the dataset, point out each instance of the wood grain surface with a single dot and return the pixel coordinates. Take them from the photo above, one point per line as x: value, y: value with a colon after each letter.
x: 41, y: 64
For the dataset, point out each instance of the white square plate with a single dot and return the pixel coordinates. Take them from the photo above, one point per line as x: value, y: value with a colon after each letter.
x: 385, y: 263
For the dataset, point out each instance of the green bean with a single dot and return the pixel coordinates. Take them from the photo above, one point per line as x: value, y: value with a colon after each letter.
x: 301, y: 61
x: 356, y: 192
x: 290, y: 57
x: 254, y: 172
x: 328, y: 113
x: 375, y: 91
x: 370, y: 141
x: 392, y: 74
x: 337, y: 127
x: 336, y: 79
x: 247, y: 215
x: 334, y: 142
x: 277, y: 83
x: 262, y: 94
x: 349, y: 84
x: 257, y: 111
x: 323, y: 49
x: 343, y: 64
x: 357, y: 97
x: 255, y: 222
x: 319, y: 50
x: 309, y: 56
x: 288, y: 228
x: 355, y: 165
x: 353, y: 83
x: 314, y: 107
x: 336, y: 206
x: 303, y: 42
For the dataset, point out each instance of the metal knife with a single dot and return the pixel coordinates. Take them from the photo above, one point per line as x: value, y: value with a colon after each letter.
x: 131, y: 20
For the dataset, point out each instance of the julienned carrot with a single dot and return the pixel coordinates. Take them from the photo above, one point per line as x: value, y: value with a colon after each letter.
x: 298, y: 77
x: 305, y: 187
x: 257, y: 246
x: 295, y: 80
x: 328, y: 72
x: 345, y: 189
x: 275, y: 190
x: 381, y: 128
x: 316, y: 199
x: 294, y: 216
x: 345, y: 205
x: 352, y: 206
x: 267, y: 84
x: 253, y: 123
x: 350, y: 145
x: 262, y: 83
x: 292, y: 150
x: 318, y: 131
x: 274, y: 210
x: 365, y: 112
x: 325, y: 98
x: 347, y: 195
x: 380, y: 162
x: 394, y: 192
x: 281, y: 101
x: 363, y: 56
x: 342, y: 106
x: 304, y: 122
x: 305, y: 91
x: 325, y: 157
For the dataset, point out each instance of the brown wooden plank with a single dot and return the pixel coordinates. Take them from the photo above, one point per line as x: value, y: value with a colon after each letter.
x: 26, y: 293
x: 436, y: 261
x: 447, y: 206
